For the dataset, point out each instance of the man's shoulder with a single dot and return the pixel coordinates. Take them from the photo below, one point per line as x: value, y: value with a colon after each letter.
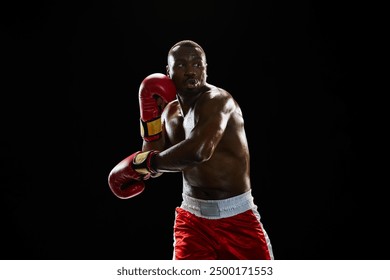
x: 218, y: 92
x: 217, y: 98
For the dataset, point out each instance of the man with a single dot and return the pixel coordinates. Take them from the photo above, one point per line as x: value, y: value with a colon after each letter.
x: 196, y: 128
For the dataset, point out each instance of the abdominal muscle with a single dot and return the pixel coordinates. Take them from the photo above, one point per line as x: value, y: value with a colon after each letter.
x: 212, y: 185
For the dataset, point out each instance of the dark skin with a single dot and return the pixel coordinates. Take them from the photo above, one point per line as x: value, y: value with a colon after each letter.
x: 203, y: 132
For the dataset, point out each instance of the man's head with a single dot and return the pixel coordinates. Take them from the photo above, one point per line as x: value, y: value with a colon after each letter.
x: 187, y: 65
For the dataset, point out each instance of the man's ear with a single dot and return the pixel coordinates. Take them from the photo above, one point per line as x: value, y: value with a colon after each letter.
x: 167, y: 69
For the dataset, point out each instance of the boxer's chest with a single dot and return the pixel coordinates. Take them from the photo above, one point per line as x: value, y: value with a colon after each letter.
x: 189, y: 122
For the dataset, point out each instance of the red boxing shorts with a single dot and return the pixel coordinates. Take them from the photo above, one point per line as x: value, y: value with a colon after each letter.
x: 228, y: 229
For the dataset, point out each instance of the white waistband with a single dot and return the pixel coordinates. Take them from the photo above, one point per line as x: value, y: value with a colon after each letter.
x: 216, y: 209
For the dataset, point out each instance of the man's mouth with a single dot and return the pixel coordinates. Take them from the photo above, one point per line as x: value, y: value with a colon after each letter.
x: 191, y: 82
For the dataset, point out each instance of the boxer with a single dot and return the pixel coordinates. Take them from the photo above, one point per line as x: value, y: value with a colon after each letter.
x: 191, y: 126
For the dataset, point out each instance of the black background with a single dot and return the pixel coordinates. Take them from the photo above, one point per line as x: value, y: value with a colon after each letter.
x: 70, y: 113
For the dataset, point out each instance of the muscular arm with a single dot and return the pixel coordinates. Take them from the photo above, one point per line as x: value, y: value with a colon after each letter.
x: 204, y: 132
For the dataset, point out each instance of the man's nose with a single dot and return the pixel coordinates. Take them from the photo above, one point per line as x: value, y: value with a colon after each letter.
x: 190, y: 71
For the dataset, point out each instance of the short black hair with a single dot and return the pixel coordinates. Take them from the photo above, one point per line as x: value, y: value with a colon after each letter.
x: 186, y: 43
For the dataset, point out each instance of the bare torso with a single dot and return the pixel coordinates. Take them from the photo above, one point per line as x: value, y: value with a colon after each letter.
x: 226, y: 172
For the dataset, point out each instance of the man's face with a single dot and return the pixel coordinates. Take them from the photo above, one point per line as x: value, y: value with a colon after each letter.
x: 187, y: 68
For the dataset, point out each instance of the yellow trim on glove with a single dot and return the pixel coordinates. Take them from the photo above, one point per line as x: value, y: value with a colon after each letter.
x: 139, y: 159
x: 151, y: 128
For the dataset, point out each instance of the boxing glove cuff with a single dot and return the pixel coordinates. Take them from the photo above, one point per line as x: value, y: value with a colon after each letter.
x: 150, y: 130
x: 142, y: 163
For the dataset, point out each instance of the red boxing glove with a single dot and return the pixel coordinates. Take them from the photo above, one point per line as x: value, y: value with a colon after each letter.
x: 153, y: 88
x: 126, y: 178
